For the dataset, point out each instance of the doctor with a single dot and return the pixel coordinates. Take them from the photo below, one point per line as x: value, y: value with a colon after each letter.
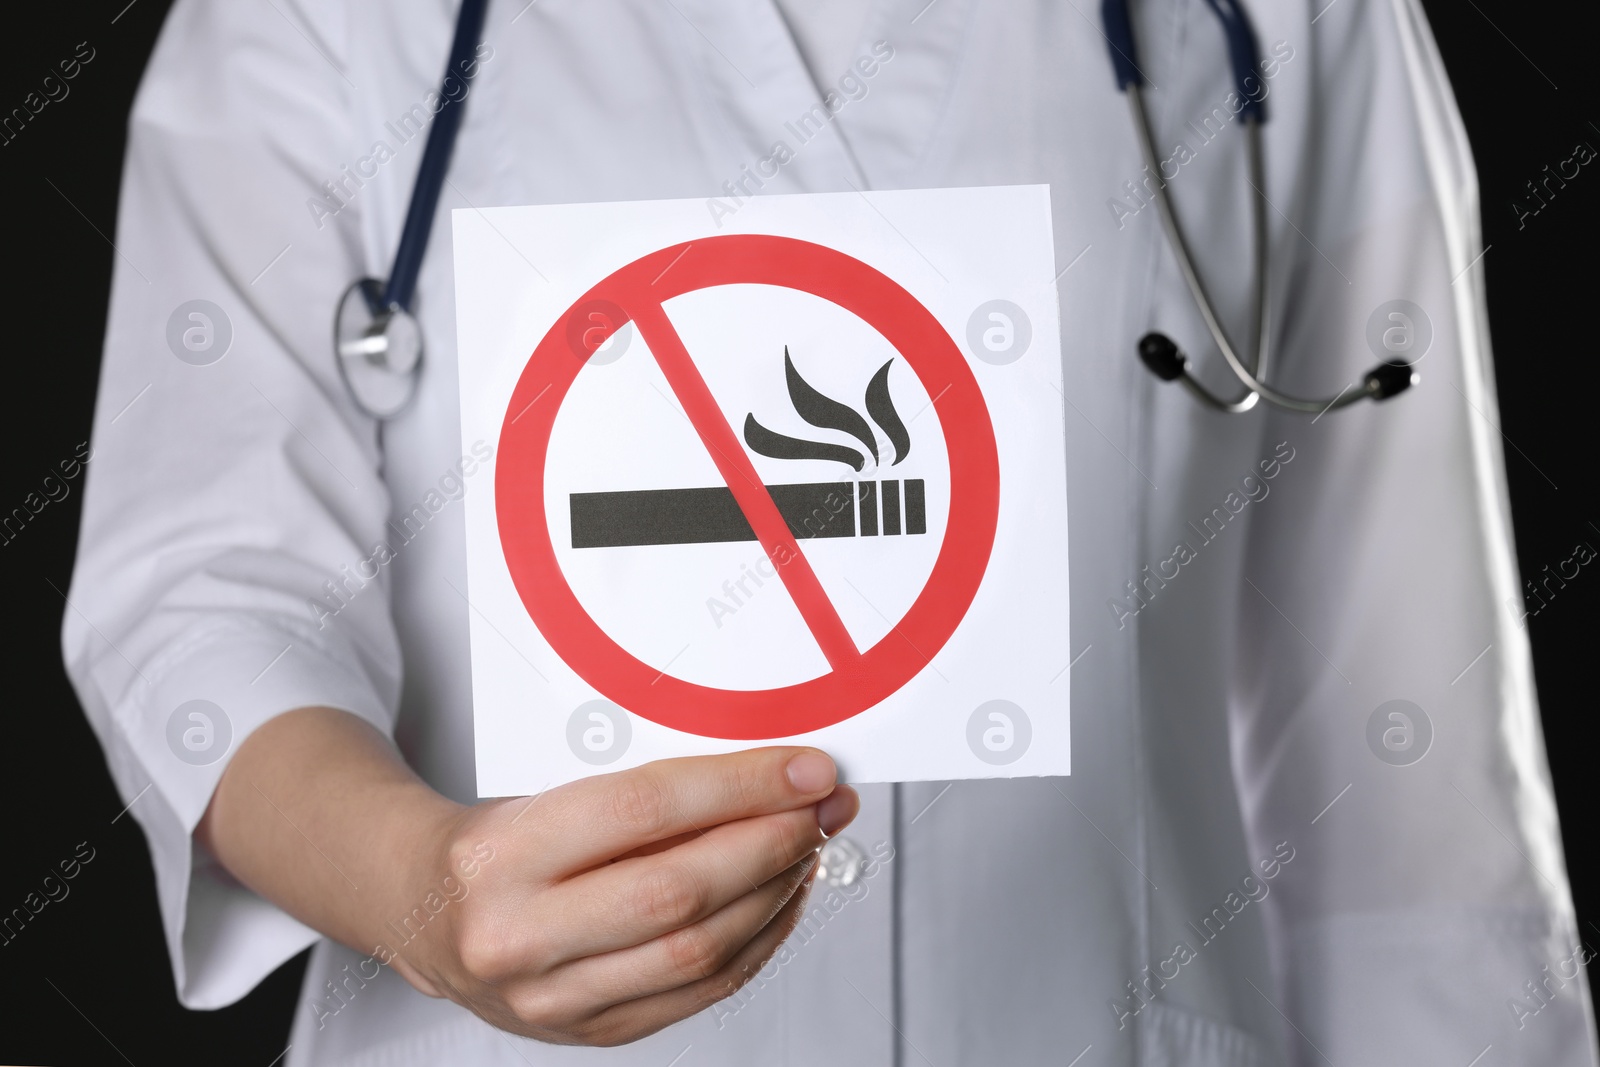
x: 1261, y: 859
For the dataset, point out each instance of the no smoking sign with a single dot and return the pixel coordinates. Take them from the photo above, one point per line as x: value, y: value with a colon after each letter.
x: 760, y: 486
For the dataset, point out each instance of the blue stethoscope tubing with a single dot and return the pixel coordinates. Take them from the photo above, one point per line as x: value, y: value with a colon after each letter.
x: 378, y: 345
x: 1156, y: 350
x: 402, y: 283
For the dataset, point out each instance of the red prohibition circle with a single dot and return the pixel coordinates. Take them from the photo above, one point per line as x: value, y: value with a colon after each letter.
x: 857, y: 680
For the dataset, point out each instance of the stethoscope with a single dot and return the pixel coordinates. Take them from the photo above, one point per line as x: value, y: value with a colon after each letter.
x: 378, y: 345
x: 1158, y: 351
x: 376, y: 341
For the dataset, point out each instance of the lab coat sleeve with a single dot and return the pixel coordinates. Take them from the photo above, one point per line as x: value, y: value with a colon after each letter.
x: 221, y: 498
x: 1426, y: 914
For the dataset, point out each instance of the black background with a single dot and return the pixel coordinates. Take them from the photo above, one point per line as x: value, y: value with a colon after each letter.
x: 89, y: 979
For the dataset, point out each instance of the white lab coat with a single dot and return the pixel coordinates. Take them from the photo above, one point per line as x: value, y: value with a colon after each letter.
x: 1213, y: 727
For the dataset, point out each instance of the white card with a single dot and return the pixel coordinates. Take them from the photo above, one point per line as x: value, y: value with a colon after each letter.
x: 794, y: 475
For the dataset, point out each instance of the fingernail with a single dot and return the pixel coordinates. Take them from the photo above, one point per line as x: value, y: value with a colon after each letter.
x: 811, y: 772
x: 836, y: 810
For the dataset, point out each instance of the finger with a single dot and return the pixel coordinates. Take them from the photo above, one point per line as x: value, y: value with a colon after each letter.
x: 633, y: 901
x: 658, y: 846
x: 596, y: 819
x: 681, y: 957
x: 639, y: 1018
x: 834, y: 813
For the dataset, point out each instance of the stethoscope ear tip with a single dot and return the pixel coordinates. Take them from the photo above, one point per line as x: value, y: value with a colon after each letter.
x: 1162, y: 356
x: 1389, y: 379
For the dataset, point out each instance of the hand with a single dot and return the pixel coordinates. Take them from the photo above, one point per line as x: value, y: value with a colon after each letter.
x: 620, y: 904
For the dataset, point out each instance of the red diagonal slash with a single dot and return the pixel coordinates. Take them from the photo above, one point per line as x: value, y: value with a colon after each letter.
x: 733, y: 463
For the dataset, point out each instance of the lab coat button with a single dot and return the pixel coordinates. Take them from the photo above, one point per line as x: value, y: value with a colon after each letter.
x: 841, y: 862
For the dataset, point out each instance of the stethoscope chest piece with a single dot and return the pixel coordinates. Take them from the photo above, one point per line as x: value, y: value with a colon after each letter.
x: 379, y: 349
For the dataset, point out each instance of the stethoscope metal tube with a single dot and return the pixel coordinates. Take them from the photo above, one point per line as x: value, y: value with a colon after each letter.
x: 1157, y: 351
x: 1174, y: 365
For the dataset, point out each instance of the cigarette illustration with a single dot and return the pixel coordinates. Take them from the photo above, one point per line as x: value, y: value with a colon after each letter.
x: 886, y: 507
x: 703, y: 516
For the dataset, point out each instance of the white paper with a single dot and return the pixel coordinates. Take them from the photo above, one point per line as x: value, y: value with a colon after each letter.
x: 990, y: 701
